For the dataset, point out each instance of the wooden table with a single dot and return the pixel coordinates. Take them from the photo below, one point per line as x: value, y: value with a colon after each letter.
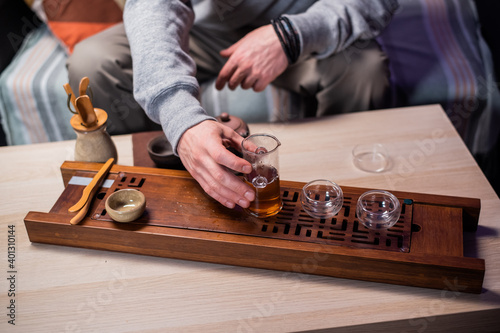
x: 63, y: 289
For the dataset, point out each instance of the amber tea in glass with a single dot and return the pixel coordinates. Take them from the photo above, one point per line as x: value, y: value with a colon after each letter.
x: 261, y: 150
x: 266, y: 184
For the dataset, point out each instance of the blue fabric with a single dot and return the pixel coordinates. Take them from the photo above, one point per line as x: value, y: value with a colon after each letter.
x: 437, y: 55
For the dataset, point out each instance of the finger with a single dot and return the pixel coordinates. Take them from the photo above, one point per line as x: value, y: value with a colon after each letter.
x: 225, y: 187
x: 203, y: 175
x: 235, y: 80
x: 231, y: 191
x: 211, y: 172
x: 208, y: 161
x: 235, y: 140
x: 225, y: 74
x: 231, y: 161
x: 248, y: 82
x: 259, y: 85
x: 249, y: 146
x: 226, y: 53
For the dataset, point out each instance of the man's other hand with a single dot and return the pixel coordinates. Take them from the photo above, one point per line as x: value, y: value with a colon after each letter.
x: 254, y: 61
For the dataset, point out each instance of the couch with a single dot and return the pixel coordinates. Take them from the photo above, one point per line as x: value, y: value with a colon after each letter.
x: 437, y: 54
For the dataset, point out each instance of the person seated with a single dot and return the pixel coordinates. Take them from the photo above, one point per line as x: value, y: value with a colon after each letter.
x: 322, y: 50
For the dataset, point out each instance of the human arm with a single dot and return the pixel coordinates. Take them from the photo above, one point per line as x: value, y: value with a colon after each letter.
x: 163, y: 72
x: 329, y: 27
x: 325, y: 28
x: 165, y: 87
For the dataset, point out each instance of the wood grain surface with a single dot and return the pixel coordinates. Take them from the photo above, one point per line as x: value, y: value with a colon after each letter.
x: 68, y: 289
x: 175, y: 201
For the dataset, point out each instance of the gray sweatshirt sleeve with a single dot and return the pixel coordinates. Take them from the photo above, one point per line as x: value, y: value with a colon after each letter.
x: 164, y: 74
x: 329, y: 26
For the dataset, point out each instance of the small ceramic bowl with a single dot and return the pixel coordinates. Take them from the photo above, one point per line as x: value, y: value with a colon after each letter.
x: 161, y: 152
x: 125, y: 205
x: 321, y: 198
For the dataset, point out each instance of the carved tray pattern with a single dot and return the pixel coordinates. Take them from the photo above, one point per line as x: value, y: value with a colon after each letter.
x: 292, y: 223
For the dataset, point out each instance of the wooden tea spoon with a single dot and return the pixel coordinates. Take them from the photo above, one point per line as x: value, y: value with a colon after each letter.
x: 94, y: 184
x: 82, y: 212
x: 86, y: 111
x: 84, y: 84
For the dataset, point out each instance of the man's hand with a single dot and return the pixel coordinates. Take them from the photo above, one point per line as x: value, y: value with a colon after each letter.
x: 254, y: 61
x: 203, y: 152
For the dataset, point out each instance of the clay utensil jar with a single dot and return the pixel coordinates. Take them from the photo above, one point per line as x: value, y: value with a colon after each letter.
x: 93, y: 143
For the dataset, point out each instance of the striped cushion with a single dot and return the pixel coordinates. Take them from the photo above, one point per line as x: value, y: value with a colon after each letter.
x: 32, y: 98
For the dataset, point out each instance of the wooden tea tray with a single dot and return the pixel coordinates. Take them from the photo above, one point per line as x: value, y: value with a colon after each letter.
x: 424, y: 249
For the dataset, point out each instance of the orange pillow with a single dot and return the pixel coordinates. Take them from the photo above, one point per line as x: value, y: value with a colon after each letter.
x: 74, y: 20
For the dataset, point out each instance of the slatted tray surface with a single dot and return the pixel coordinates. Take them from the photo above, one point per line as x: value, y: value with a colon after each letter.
x: 424, y: 248
x: 292, y: 223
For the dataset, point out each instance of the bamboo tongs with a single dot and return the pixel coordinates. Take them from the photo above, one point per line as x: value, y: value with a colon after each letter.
x: 82, y: 104
x: 83, y: 205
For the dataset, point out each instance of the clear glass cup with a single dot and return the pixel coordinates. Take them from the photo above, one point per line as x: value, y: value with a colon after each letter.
x: 321, y: 198
x: 378, y: 209
x: 261, y: 150
x: 371, y: 157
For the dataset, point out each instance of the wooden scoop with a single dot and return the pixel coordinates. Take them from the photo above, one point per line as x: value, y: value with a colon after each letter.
x: 84, y: 84
x: 82, y: 212
x: 94, y: 184
x: 86, y: 111
x: 82, y: 89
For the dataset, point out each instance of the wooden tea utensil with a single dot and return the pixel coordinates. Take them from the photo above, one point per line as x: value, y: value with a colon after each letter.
x: 89, y: 191
x: 82, y: 212
x: 84, y: 84
x: 71, y: 95
x: 82, y: 89
x: 86, y: 111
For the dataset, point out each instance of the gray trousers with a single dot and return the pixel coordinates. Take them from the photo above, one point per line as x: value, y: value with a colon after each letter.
x: 355, y: 79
